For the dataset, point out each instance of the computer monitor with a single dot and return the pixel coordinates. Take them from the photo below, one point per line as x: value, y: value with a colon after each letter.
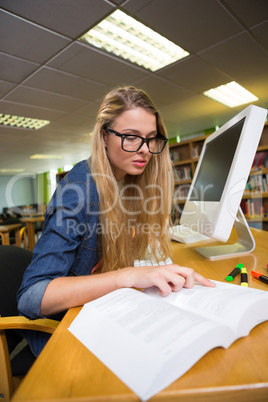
x: 213, y: 203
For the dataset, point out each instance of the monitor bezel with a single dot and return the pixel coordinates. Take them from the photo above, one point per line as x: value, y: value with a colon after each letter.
x: 216, y: 219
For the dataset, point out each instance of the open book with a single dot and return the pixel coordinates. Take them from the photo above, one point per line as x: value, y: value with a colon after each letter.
x: 149, y: 341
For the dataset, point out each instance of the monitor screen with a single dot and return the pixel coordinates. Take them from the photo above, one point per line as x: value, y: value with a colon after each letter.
x: 216, y: 164
x: 221, y: 174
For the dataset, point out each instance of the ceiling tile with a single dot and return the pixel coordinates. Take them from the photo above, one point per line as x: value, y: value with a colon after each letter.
x: 119, y: 2
x: 74, y: 120
x: 45, y: 74
x: 49, y: 140
x: 5, y: 87
x: 136, y: 5
x: 238, y: 57
x: 10, y: 135
x: 85, y: 61
x: 44, y: 99
x: 28, y: 41
x: 65, y: 84
x: 91, y: 109
x: 248, y: 11
x: 185, y: 112
x: 260, y: 33
x: 69, y: 17
x: 17, y: 109
x: 194, y: 74
x: 66, y: 129
x: 188, y: 23
x: 258, y: 84
x: 14, y: 69
x: 193, y: 115
x: 161, y: 91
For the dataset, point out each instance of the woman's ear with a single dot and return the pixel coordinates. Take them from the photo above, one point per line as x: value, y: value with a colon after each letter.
x: 104, y: 137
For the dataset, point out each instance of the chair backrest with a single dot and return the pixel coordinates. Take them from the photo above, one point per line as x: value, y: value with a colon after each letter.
x: 13, y: 262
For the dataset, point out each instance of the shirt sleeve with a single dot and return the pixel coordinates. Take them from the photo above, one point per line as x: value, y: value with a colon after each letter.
x: 54, y: 254
x: 30, y: 301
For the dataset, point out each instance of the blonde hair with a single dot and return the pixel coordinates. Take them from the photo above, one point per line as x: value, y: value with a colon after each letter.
x: 135, y: 213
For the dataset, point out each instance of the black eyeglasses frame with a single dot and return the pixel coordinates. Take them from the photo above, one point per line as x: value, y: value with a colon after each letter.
x: 143, y: 140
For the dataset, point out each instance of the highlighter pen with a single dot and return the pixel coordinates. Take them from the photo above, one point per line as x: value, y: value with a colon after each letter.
x: 260, y: 276
x: 244, y: 277
x: 235, y: 272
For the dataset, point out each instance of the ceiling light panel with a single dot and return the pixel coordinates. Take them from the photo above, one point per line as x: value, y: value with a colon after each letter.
x: 46, y: 156
x: 231, y: 95
x: 12, y: 170
x: 126, y: 37
x: 23, y: 122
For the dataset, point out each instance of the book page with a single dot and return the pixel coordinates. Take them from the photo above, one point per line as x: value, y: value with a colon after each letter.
x: 238, y: 307
x: 147, y: 343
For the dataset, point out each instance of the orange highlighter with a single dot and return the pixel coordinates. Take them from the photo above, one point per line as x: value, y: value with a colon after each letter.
x: 260, y: 276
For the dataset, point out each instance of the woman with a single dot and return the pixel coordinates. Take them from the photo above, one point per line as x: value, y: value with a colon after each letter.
x: 105, y: 213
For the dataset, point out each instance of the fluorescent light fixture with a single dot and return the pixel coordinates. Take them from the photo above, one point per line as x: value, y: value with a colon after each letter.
x: 126, y: 37
x: 12, y: 170
x: 24, y: 122
x: 231, y: 95
x: 45, y: 156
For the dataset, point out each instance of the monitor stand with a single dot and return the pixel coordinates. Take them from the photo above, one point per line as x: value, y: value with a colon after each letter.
x: 245, y: 243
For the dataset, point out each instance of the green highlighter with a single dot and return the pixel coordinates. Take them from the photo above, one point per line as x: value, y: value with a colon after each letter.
x: 235, y: 272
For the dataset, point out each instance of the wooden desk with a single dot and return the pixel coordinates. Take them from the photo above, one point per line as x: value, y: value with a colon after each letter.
x: 30, y: 221
x: 67, y: 371
x: 5, y: 233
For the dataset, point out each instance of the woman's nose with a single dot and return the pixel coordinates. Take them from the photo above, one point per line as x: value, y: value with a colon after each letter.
x: 144, y: 149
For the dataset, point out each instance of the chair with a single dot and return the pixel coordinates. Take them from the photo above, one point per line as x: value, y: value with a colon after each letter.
x: 23, y: 237
x: 23, y: 232
x: 13, y: 262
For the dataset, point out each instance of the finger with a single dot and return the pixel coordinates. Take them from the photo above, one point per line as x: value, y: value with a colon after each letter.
x: 191, y: 277
x: 203, y: 281
x: 165, y: 280
x: 164, y: 287
x: 177, y: 282
x: 187, y: 274
x: 174, y: 280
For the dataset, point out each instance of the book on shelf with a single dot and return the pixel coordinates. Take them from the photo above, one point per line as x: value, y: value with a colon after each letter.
x: 181, y: 192
x: 253, y: 208
x: 197, y: 150
x: 183, y: 173
x: 149, y: 341
x: 174, y: 155
x: 257, y: 183
x: 260, y: 160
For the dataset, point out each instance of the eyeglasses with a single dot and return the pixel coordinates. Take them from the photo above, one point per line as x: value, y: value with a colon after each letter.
x: 132, y: 143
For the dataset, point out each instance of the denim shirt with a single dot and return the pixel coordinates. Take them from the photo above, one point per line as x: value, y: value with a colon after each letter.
x: 68, y: 244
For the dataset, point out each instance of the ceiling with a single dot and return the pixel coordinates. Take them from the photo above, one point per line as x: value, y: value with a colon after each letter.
x: 46, y: 73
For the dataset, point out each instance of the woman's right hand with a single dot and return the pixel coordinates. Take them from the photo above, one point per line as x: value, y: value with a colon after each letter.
x: 167, y: 278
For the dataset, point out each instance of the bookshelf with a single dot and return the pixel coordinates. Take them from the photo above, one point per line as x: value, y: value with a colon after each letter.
x: 255, y: 200
x: 185, y: 155
x: 60, y: 176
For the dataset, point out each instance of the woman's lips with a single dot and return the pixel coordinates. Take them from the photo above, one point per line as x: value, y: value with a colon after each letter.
x: 139, y: 162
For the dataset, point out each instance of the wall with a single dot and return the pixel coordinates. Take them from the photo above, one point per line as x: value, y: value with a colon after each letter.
x: 23, y: 189
x: 17, y: 190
